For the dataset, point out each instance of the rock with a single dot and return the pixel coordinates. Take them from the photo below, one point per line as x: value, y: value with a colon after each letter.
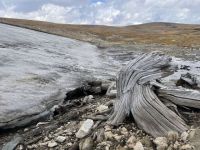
x: 75, y: 146
x: 52, y: 144
x: 146, y: 141
x: 172, y: 136
x: 194, y: 138
x: 102, y: 108
x: 132, y: 140
x: 112, y: 94
x: 88, y: 99
x: 100, y: 135
x: 34, y: 146
x: 124, y: 131
x: 60, y: 139
x: 43, y: 144
x: 161, y: 143
x: 108, y: 135
x: 184, y: 136
x: 46, y: 139
x: 17, y: 139
x: 119, y: 147
x: 85, y: 128
x: 86, y: 144
x: 68, y: 132
x: 186, y: 147
x: 138, y: 146
x: 107, y: 128
x: 117, y: 137
x: 176, y: 145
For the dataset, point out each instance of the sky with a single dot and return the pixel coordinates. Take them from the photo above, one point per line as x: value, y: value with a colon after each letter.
x: 103, y: 12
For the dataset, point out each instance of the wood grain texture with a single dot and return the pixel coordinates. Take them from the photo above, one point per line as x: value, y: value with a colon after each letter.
x: 135, y: 95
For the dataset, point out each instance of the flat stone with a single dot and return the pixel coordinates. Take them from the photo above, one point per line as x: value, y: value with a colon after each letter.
x: 186, y: 147
x: 184, y: 136
x: 85, y: 128
x: 60, y: 139
x: 138, y: 146
x: 52, y: 144
x: 102, y: 108
x: 172, y: 136
x: 161, y: 143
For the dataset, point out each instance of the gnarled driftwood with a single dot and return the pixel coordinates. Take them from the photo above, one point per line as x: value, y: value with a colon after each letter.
x: 136, y: 95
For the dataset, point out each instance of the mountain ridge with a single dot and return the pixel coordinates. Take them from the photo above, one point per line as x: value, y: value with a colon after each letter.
x: 162, y: 33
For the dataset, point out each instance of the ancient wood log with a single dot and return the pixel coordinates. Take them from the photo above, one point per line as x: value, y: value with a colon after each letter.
x: 135, y: 95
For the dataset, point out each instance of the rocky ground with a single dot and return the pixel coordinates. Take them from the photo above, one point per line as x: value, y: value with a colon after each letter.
x: 81, y: 124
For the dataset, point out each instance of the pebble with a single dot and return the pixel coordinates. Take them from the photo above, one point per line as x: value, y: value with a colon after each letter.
x: 68, y: 132
x: 60, y: 139
x: 117, y: 137
x: 102, y: 108
x: 86, y: 144
x: 124, y: 131
x: 161, y: 143
x: 52, y: 144
x: 108, y: 135
x: 184, y: 136
x: 138, y: 146
x: 34, y: 146
x: 46, y: 139
x: 186, y: 147
x: 88, y: 99
x: 131, y: 140
x: 172, y: 136
x: 107, y: 128
x: 85, y: 128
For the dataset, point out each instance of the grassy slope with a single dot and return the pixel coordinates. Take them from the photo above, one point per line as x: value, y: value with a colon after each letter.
x: 183, y: 35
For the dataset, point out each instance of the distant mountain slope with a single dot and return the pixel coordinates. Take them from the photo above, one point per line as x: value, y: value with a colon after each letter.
x: 183, y: 35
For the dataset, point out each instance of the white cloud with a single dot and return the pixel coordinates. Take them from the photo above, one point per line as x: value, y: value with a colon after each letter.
x: 108, y: 12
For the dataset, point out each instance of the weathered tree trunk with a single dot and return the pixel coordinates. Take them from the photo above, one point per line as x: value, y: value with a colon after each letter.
x: 135, y: 95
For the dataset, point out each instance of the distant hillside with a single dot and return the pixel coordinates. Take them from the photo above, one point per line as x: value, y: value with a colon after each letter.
x: 183, y: 35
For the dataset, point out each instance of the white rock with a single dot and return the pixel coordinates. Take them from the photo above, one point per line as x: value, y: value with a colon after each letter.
x: 43, y: 144
x: 26, y: 129
x: 69, y: 144
x: 117, y: 137
x: 41, y: 123
x: 85, y: 128
x: 131, y: 140
x: 124, y: 131
x: 102, y: 108
x: 161, y: 143
x: 172, y: 136
x: 186, y: 147
x: 88, y: 99
x: 60, y: 139
x: 68, y: 132
x: 46, y: 139
x: 138, y: 146
x: 184, y: 136
x: 52, y: 144
x: 108, y: 135
x: 107, y: 128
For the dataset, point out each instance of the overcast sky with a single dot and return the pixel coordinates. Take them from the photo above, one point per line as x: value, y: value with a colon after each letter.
x: 107, y: 12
